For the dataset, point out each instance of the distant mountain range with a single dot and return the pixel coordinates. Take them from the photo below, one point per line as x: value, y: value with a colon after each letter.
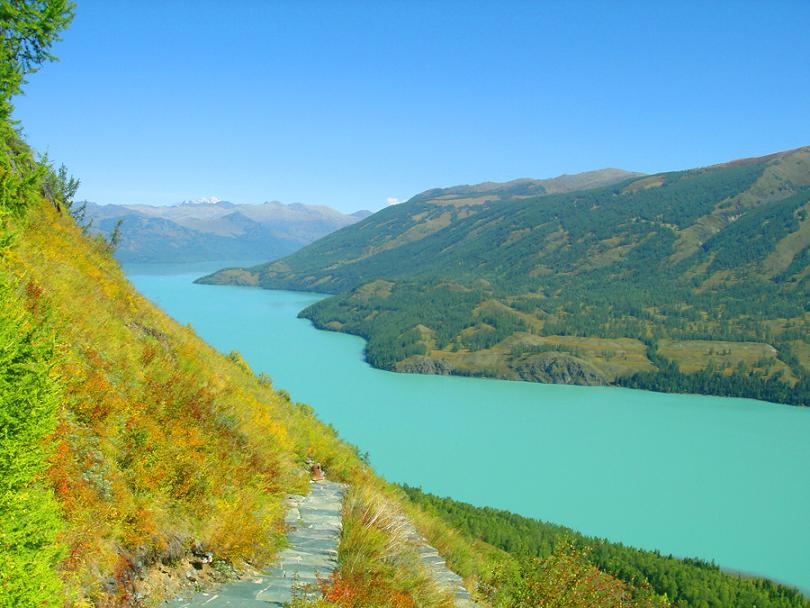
x: 523, y: 188
x: 214, y: 230
x: 691, y: 281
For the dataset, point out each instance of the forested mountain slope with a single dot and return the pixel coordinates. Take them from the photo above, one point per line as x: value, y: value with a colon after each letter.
x: 693, y: 280
x: 689, y: 582
x: 398, y: 225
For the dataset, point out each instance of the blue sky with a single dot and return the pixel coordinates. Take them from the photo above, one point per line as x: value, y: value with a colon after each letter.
x: 352, y: 103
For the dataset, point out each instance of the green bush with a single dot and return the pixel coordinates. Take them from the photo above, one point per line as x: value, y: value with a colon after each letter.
x: 29, y: 514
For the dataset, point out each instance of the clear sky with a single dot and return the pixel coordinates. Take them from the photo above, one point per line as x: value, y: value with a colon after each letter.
x: 352, y: 103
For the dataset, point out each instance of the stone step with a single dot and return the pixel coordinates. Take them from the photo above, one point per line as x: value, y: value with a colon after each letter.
x: 280, y: 593
x: 437, y: 568
x: 243, y: 589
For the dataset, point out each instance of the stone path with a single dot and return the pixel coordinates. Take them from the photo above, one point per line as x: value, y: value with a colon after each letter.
x: 315, y: 523
x: 314, y: 533
x: 445, y: 578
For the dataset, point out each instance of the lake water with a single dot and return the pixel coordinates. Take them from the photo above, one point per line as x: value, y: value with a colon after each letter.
x: 721, y: 479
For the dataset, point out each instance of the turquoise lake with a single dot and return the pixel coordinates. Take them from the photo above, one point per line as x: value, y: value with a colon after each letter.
x: 721, y: 479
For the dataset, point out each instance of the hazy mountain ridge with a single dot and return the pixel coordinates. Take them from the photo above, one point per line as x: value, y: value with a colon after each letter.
x: 526, y: 187
x: 211, y: 230
x: 644, y: 281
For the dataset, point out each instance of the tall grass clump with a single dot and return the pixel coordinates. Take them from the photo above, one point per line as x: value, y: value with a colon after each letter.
x: 378, y: 565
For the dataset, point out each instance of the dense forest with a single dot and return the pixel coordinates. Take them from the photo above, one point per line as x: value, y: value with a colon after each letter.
x: 699, y: 259
x: 741, y: 382
x: 686, y: 582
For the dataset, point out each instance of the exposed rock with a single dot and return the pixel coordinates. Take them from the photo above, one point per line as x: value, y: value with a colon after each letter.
x: 149, y: 331
x: 109, y: 585
x: 419, y: 364
x: 200, y: 551
x: 559, y: 368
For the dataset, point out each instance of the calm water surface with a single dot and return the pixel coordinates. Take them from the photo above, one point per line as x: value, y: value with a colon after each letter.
x: 722, y: 479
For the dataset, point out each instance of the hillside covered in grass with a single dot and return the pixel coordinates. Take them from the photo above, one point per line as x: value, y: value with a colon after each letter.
x: 693, y: 281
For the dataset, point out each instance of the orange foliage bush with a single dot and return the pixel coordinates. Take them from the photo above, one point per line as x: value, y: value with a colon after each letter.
x: 356, y: 591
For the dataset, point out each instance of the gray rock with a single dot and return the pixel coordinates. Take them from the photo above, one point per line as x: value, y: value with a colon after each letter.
x: 419, y: 364
x: 559, y: 368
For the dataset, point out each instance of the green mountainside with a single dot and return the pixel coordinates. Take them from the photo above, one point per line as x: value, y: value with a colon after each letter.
x: 355, y: 252
x: 693, y: 281
x: 686, y: 582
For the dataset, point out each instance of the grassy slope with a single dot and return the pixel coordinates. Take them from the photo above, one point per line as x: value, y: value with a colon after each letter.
x: 164, y: 444
x: 571, y: 287
x: 162, y: 441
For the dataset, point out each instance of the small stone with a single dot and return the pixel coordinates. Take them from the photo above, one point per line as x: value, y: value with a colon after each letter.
x: 198, y: 548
